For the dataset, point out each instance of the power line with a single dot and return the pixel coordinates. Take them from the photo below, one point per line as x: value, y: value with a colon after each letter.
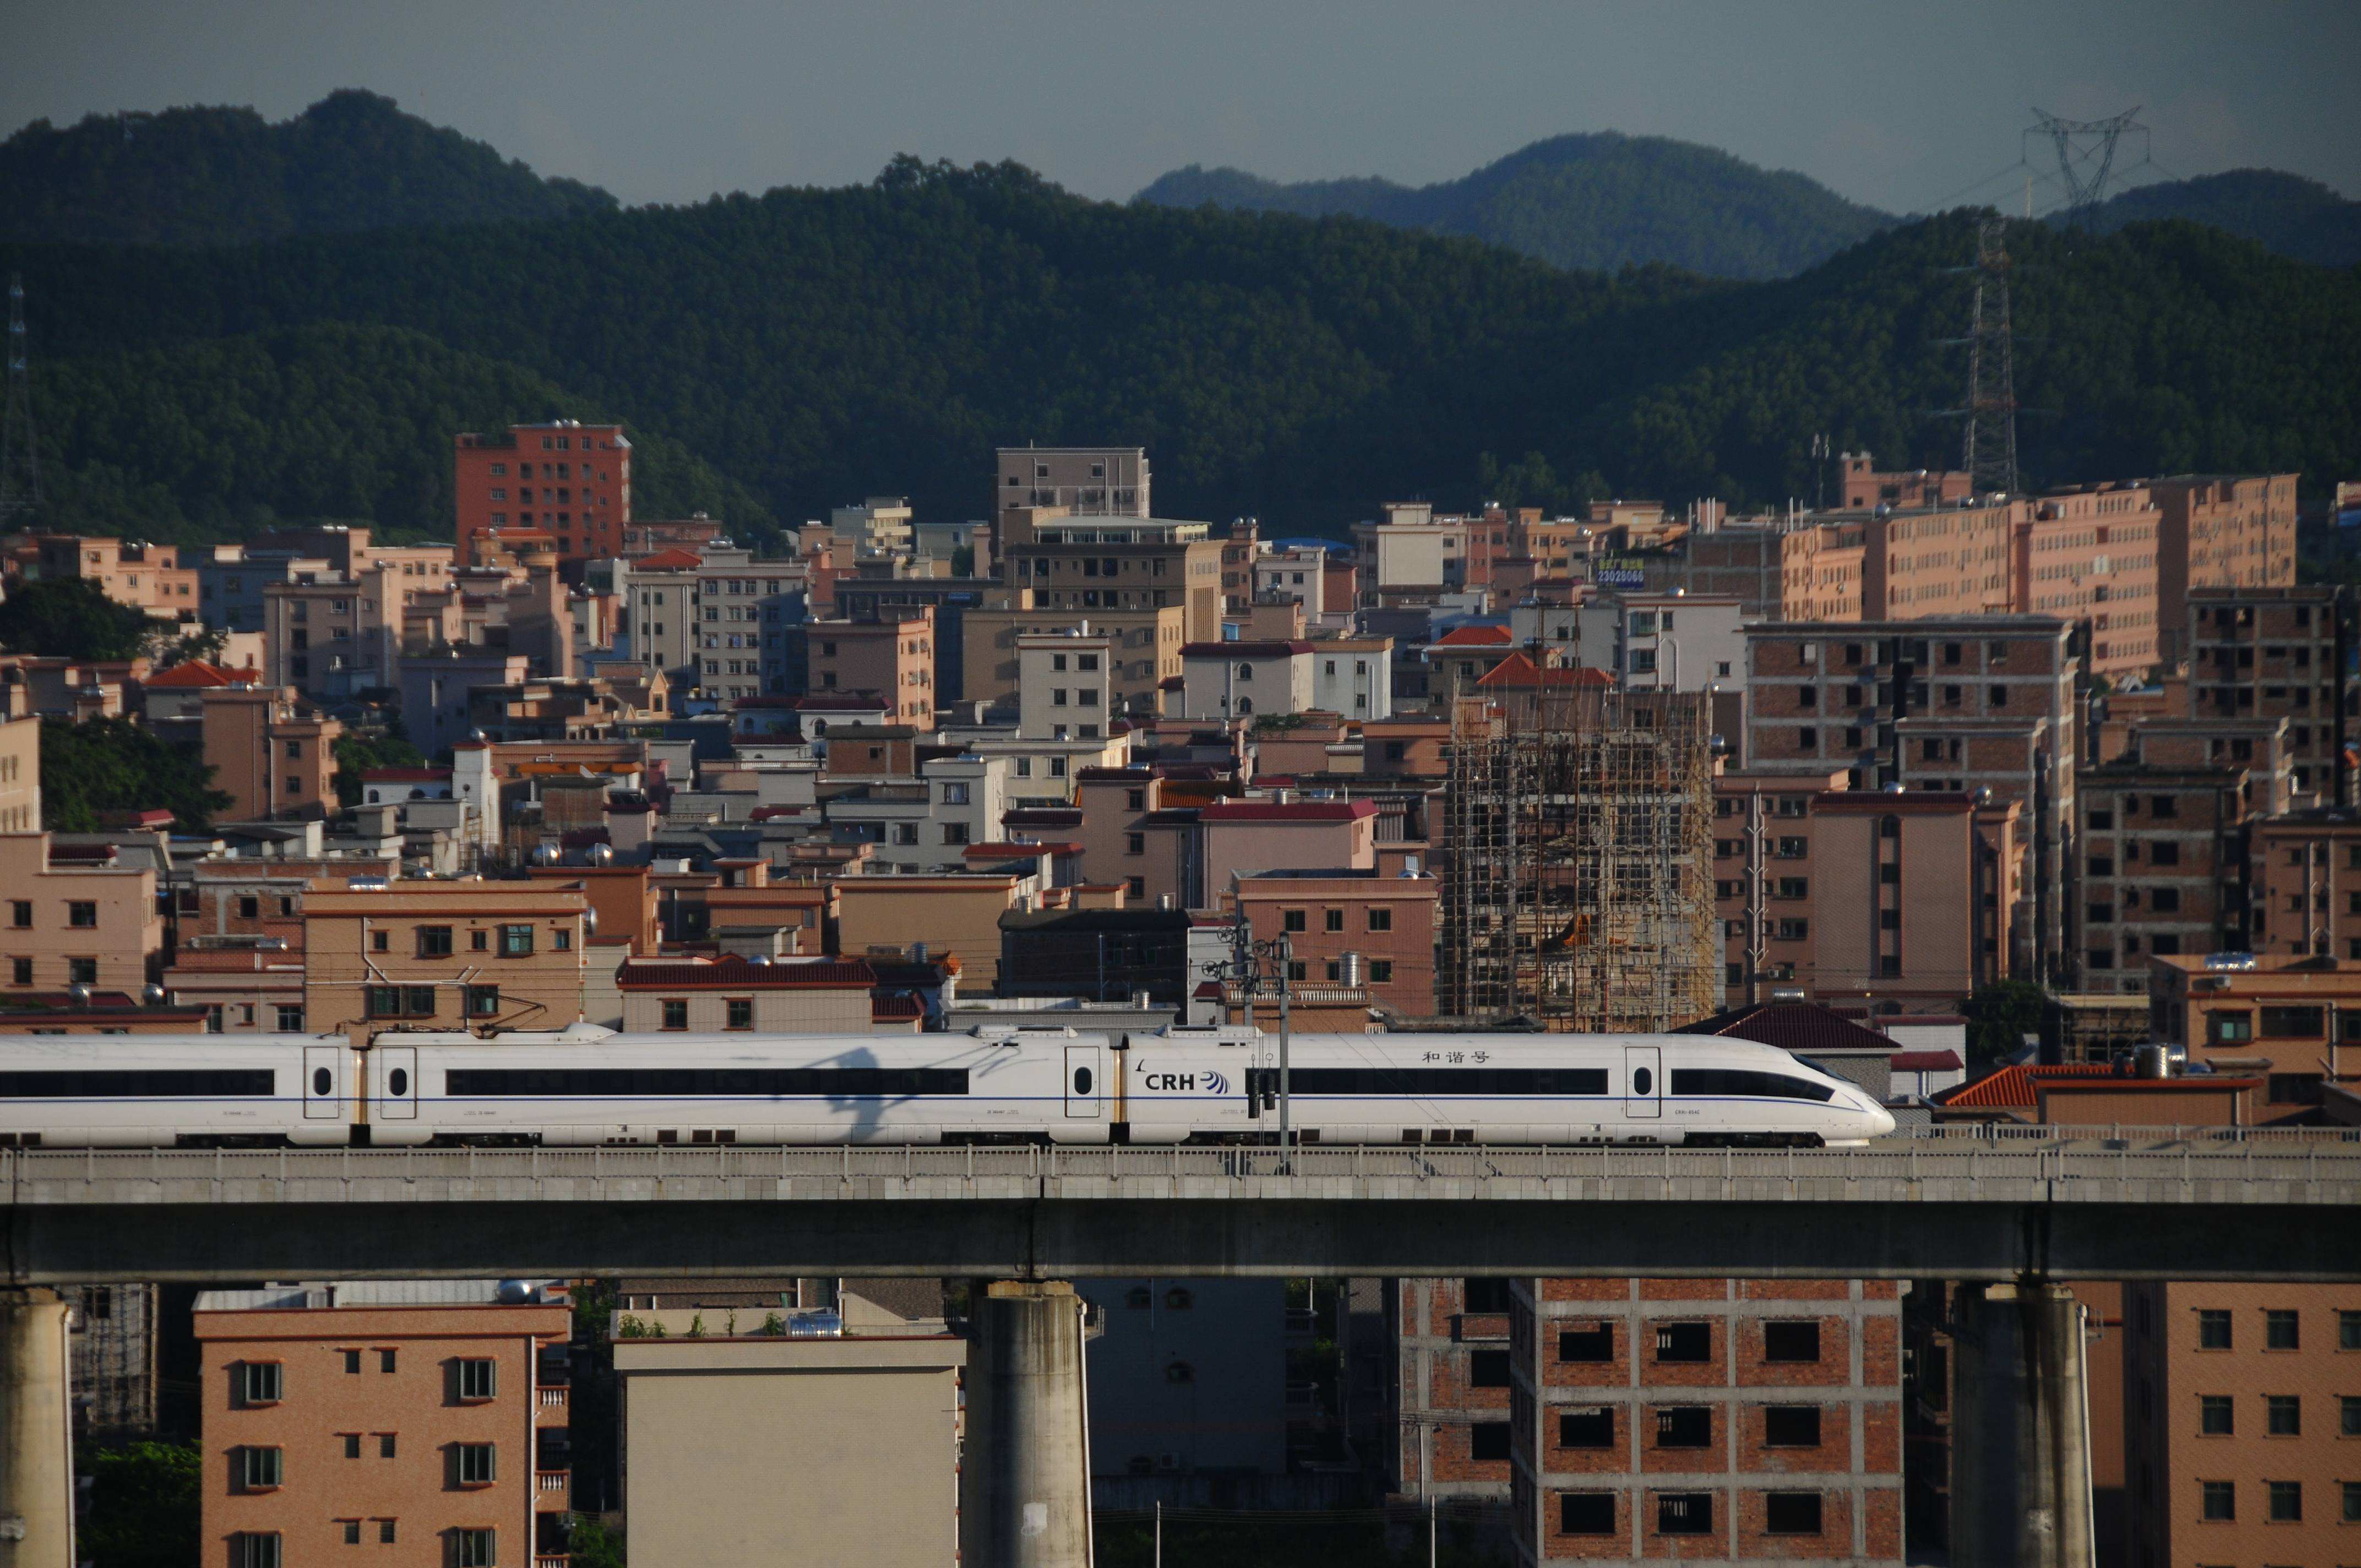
x: 2077, y: 144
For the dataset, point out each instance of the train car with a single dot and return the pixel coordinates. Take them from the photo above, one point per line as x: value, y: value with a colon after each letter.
x: 997, y: 1086
x: 1698, y: 1090
x: 159, y: 1090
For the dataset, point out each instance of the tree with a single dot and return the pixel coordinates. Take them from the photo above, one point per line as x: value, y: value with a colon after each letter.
x: 357, y: 754
x: 592, y: 1545
x: 71, y: 617
x: 1999, y: 1018
x: 144, y: 1508
x: 114, y: 764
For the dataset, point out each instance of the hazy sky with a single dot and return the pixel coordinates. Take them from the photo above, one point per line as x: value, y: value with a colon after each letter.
x: 1897, y: 103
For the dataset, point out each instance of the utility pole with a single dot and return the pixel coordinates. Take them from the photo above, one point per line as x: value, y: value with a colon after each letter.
x: 1257, y: 967
x: 1988, y: 452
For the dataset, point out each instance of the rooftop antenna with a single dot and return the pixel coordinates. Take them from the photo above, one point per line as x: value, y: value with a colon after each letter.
x: 20, y: 455
x: 2085, y: 150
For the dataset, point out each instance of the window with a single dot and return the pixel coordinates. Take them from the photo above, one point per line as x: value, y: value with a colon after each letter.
x: 1595, y: 1344
x: 1592, y: 1426
x: 20, y: 912
x: 81, y: 972
x: 1685, y: 1513
x: 20, y: 971
x: 1791, y: 1513
x: 2215, y: 1415
x: 2348, y: 1329
x: 1381, y: 919
x: 1791, y: 1426
x: 351, y: 1531
x: 2283, y: 1415
x: 381, y: 941
x: 479, y: 1378
x: 477, y: 1548
x: 82, y: 913
x: 676, y: 1014
x: 249, y: 1550
x: 2212, y: 1328
x: 1791, y: 1342
x: 260, y: 1469
x: 1381, y: 971
x: 1487, y: 1440
x: 257, y: 1382
x: 742, y: 1013
x: 352, y: 1445
x: 1291, y: 920
x: 384, y: 1445
x: 2286, y: 1501
x: 2279, y: 1329
x: 483, y: 1000
x: 435, y: 941
x: 352, y: 1362
x: 1685, y: 1426
x: 479, y: 941
x: 473, y: 1462
x: 2348, y: 1407
x: 1488, y: 1369
x: 385, y: 1361
x: 516, y: 941
x: 1684, y: 1341
x: 1331, y: 920
x: 1586, y: 1513
x: 2217, y: 1501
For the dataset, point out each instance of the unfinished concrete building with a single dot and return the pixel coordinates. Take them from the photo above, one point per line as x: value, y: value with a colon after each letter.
x: 1577, y: 850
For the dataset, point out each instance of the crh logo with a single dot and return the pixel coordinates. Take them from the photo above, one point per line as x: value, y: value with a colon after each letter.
x: 1185, y: 1082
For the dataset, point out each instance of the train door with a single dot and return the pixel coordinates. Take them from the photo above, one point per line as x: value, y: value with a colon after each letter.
x: 1084, y: 1091
x: 323, y: 1091
x: 1643, y: 1066
x: 398, y: 1091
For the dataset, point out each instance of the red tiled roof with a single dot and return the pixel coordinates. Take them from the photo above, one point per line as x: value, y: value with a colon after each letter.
x: 194, y: 674
x: 1924, y: 1061
x: 2019, y: 1088
x: 1475, y: 637
x: 885, y: 1009
x: 1516, y: 670
x: 672, y: 560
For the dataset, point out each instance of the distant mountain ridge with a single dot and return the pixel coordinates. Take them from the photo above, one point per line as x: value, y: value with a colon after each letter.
x: 224, y: 176
x: 2295, y: 216
x: 1599, y: 201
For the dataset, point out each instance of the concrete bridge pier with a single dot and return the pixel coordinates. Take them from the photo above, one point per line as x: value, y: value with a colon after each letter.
x: 1025, y: 1482
x: 37, y: 1496
x: 2020, y: 1430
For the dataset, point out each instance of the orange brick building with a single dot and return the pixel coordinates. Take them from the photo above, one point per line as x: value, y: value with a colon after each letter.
x: 426, y: 1415
x: 570, y: 480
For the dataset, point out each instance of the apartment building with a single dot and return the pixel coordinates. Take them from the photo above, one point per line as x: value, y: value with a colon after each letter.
x: 1242, y: 679
x: 2297, y: 1022
x: 75, y: 918
x: 1776, y: 568
x: 1671, y: 642
x: 660, y: 618
x: 1750, y: 1421
x: 1092, y: 481
x: 146, y: 577
x: 1065, y: 685
x: 2273, y: 652
x: 1948, y: 560
x: 1862, y: 485
x: 954, y: 917
x: 2303, y: 885
x: 20, y: 774
x: 343, y: 1419
x: 2243, y: 1409
x: 2220, y: 531
x: 893, y: 659
x: 443, y: 954
x: 1086, y: 564
x: 273, y: 756
x: 712, y: 996
x: 2164, y: 866
x: 880, y: 526
x: 1144, y: 650
x: 745, y: 612
x: 567, y: 479
x: 1358, y: 938
x: 2089, y: 556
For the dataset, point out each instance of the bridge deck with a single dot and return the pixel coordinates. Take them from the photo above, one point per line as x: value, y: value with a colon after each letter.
x: 2125, y: 1203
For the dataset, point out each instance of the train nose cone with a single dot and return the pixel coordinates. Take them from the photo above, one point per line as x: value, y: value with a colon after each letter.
x: 1880, y: 1121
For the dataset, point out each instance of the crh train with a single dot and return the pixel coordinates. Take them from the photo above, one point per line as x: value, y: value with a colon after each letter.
x: 587, y: 1086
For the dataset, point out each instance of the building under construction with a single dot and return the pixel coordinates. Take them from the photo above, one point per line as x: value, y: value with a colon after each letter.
x: 1577, y: 857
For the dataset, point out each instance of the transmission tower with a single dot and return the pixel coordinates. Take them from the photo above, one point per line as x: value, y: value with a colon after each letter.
x: 20, y: 455
x: 1989, y: 449
x: 2085, y: 150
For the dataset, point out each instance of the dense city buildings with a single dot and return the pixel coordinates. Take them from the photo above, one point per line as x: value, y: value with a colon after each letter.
x: 567, y: 479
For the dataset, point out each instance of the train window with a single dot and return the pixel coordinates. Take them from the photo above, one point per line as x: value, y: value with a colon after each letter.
x: 397, y: 1081
x: 1747, y: 1083
x: 138, y: 1083
x: 323, y: 1081
x: 663, y: 1082
x: 1082, y: 1080
x: 1421, y: 1082
x: 1642, y: 1081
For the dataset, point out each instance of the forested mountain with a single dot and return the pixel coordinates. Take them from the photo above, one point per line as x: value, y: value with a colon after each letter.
x: 815, y: 346
x: 219, y: 176
x: 1603, y: 200
x: 215, y: 438
x: 2295, y: 216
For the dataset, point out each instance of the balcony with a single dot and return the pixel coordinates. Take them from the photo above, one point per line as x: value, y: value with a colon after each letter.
x: 551, y: 1398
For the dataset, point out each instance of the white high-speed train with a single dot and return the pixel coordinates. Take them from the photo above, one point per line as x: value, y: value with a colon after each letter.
x: 587, y: 1086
